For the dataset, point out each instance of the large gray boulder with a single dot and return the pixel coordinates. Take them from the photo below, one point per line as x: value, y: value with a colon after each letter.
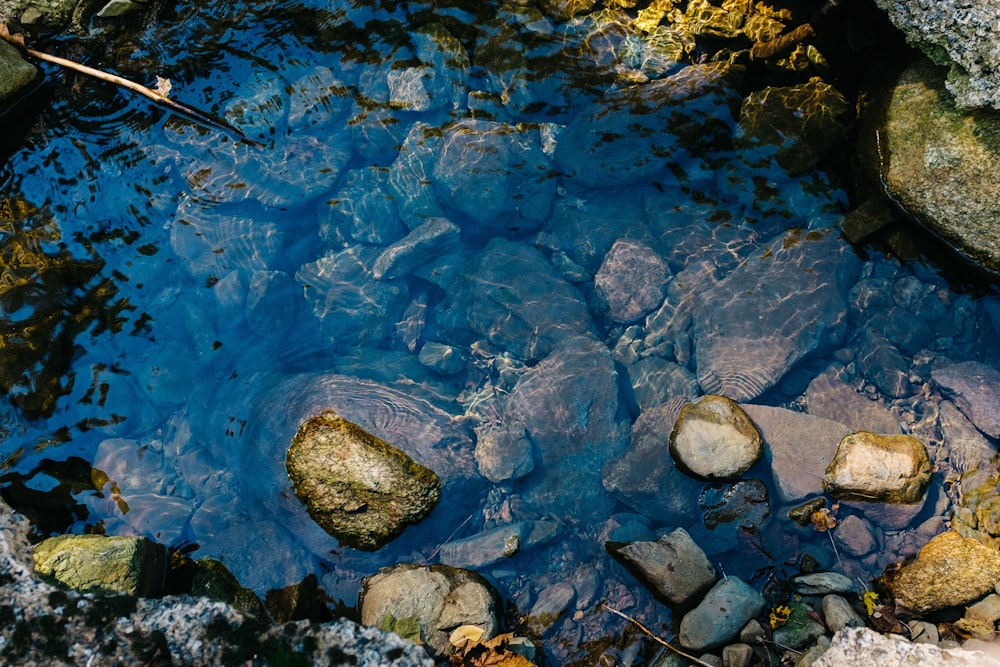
x: 674, y: 567
x: 356, y: 486
x: 862, y: 647
x: 940, y: 164
x: 963, y: 35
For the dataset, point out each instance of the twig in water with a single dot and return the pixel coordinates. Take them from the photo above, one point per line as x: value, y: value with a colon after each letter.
x: 198, y: 115
x: 655, y: 638
x: 453, y: 533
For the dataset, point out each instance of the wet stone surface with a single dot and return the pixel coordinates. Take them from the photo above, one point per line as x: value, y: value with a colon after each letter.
x: 512, y: 242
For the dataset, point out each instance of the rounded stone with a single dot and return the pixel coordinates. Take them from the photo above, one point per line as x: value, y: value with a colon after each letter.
x: 949, y: 570
x: 721, y: 614
x: 715, y: 439
x: 356, y: 486
x: 880, y: 468
x: 439, y: 597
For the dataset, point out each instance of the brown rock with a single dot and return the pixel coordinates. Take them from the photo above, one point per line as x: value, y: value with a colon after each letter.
x: 357, y: 487
x: 880, y: 468
x: 949, y: 570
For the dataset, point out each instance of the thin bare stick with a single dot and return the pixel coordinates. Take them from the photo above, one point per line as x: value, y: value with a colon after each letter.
x: 655, y: 638
x: 198, y: 115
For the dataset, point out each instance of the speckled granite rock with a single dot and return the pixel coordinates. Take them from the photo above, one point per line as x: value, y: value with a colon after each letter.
x: 44, y: 624
x: 862, y: 647
x: 961, y: 34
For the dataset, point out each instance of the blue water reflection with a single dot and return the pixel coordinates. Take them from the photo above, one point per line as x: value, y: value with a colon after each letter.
x: 435, y: 178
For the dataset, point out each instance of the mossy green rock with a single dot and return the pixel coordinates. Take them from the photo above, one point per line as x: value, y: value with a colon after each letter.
x: 15, y: 71
x: 130, y: 565
x: 356, y: 486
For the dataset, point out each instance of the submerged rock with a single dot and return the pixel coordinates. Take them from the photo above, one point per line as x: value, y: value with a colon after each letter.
x: 798, y: 471
x: 358, y: 487
x: 973, y: 387
x: 645, y: 477
x: 496, y: 544
x: 571, y: 445
x: 715, y: 439
x: 940, y: 164
x: 131, y: 565
x: 949, y: 570
x: 632, y: 280
x: 438, y: 598
x: 780, y: 305
x: 802, y: 122
x: 880, y: 468
x: 673, y: 567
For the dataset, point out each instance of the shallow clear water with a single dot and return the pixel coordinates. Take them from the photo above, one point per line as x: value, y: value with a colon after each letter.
x: 176, y: 302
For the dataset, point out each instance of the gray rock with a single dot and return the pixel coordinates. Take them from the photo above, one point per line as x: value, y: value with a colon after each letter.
x: 552, y: 603
x: 631, y: 281
x: 972, y: 387
x: 863, y: 647
x: 571, y: 446
x: 940, y: 163
x: 130, y: 565
x: 721, y: 614
x: 410, y: 181
x: 441, y: 598
x: 883, y: 364
x: 362, y: 210
x: 447, y: 59
x: 503, y: 452
x: 924, y: 632
x: 772, y: 310
x: 15, y: 71
x: 714, y: 438
x: 270, y: 303
x: 645, y: 477
x: 968, y: 450
x: 409, y: 88
x: 673, y: 567
x: 625, y: 527
x: 839, y: 614
x: 318, y: 99
x: 737, y: 655
x: 444, y: 359
x: 821, y: 583
x: 798, y: 472
x: 957, y: 34
x: 889, y: 516
x: 430, y: 239
x: 880, y: 468
x: 854, y: 536
x: 514, y: 297
x: 809, y: 658
x: 832, y: 398
x: 127, y: 630
x: 356, y: 486
x: 492, y: 546
x: 350, y: 306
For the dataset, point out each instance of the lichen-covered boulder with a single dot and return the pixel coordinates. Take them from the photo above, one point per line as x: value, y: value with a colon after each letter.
x: 131, y: 565
x: 427, y: 602
x: 356, y: 486
x: 940, y: 164
x: 715, y: 439
x: 949, y: 570
x: 880, y: 468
